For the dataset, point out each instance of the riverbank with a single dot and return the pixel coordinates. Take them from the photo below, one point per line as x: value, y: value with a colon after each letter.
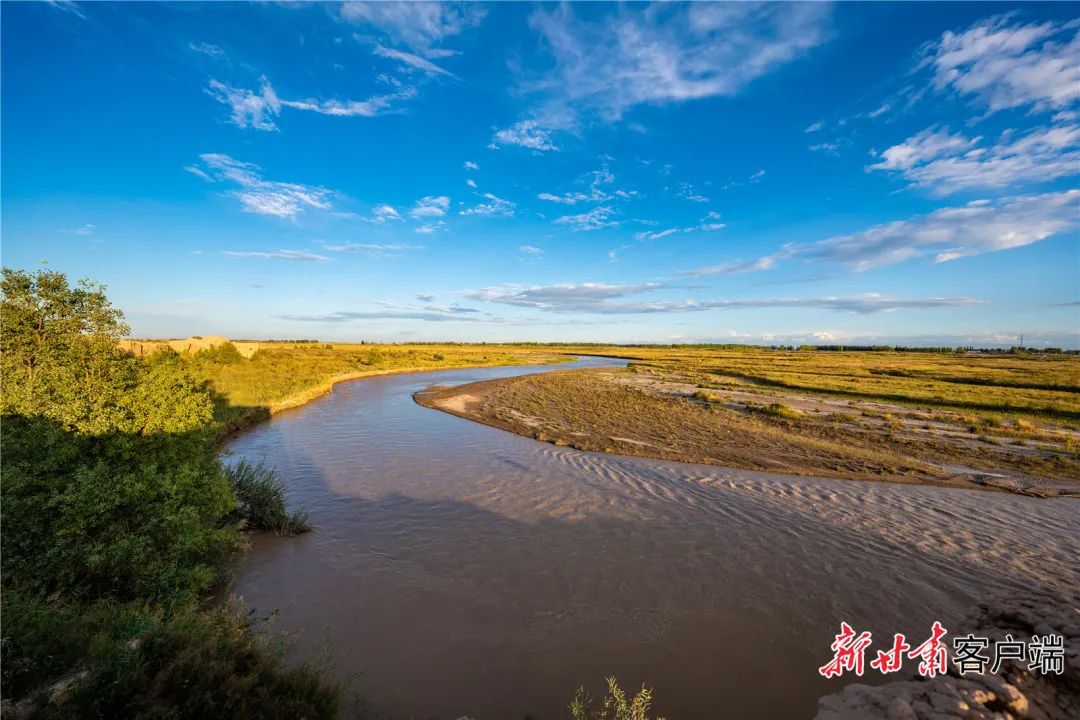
x: 649, y: 412
x: 251, y: 381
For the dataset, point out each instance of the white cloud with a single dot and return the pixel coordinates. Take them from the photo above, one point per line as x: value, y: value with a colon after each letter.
x: 605, y: 299
x: 494, y: 206
x: 814, y: 127
x: 951, y: 233
x: 294, y: 255
x: 376, y: 249
x: 946, y: 163
x: 668, y: 53
x: 598, y: 180
x: 686, y: 190
x: 411, y: 60
x: 207, y: 49
x: 980, y: 226
x: 383, y: 213
x: 564, y: 297
x: 430, y: 206
x: 530, y: 250
x: 767, y: 262
x: 648, y: 235
x: 829, y: 148
x: 258, y: 195
x: 87, y: 229
x: 419, y: 25
x: 471, y: 183
x: 1005, y: 64
x: 525, y: 133
x: 595, y: 219
x: 709, y: 223
x: 259, y: 109
x: 249, y: 108
x: 470, y: 165
x: 432, y: 227
x: 67, y: 6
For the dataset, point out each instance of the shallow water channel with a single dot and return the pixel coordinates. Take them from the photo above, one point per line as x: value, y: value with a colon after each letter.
x: 456, y: 569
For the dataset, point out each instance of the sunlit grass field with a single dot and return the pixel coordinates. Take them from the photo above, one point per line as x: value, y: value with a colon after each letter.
x: 1024, y: 383
x: 252, y: 379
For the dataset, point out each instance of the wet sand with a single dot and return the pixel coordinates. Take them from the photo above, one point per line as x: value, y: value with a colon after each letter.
x: 459, y: 569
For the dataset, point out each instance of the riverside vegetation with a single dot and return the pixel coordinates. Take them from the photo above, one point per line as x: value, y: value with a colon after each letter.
x: 117, y: 519
x: 118, y: 516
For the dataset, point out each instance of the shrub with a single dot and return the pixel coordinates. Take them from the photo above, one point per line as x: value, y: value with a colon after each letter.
x: 223, y: 354
x: 119, y: 516
x: 778, y: 410
x: 614, y: 706
x: 127, y: 660
x: 260, y: 497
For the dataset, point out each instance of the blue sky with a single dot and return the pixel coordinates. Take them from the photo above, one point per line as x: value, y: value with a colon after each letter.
x: 902, y: 173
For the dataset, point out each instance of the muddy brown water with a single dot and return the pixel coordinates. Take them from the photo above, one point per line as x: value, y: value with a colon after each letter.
x: 456, y: 569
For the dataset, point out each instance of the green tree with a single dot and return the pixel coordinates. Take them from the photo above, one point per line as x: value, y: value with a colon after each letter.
x: 112, y: 486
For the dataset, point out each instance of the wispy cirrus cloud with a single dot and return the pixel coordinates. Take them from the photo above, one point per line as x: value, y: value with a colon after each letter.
x: 383, y: 213
x: 596, y: 219
x: 767, y: 262
x: 430, y: 206
x: 208, y: 49
x: 687, y: 191
x: 68, y: 6
x: 417, y: 25
x: 411, y: 60
x: 950, y: 233
x: 946, y: 163
x: 372, y: 249
x: 431, y: 227
x: 660, y: 54
x: 1003, y: 63
x: 255, y: 193
x: 709, y: 223
x: 600, y: 184
x: 292, y: 255
x: 524, y: 133
x: 259, y: 109
x: 492, y: 206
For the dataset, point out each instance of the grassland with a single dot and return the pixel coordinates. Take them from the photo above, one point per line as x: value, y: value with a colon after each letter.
x: 1002, y: 421
x: 250, y: 381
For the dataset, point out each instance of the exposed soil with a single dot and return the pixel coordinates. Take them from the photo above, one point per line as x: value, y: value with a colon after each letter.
x: 661, y: 415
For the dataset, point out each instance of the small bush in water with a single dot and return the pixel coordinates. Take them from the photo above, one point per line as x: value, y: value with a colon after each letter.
x: 260, y: 496
x: 614, y: 707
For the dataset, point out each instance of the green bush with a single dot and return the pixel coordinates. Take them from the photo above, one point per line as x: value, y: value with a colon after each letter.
x: 128, y: 660
x: 117, y: 516
x: 260, y: 497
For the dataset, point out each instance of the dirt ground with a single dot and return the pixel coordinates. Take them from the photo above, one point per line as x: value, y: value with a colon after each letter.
x: 647, y: 412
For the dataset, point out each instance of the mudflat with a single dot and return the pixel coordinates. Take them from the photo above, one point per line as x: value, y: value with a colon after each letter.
x: 667, y: 413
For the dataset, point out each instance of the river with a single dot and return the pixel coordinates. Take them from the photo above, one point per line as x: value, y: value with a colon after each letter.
x: 456, y: 569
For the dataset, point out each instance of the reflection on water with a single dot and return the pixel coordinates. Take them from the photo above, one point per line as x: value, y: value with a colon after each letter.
x: 458, y: 569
